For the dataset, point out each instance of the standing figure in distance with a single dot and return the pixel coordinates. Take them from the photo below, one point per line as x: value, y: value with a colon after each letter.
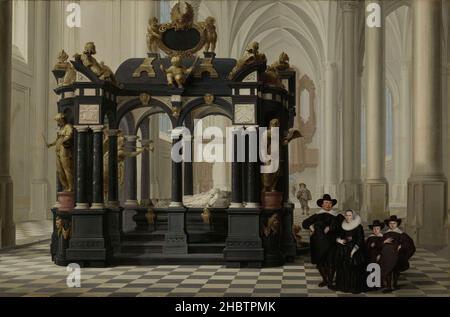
x: 303, y: 196
x: 64, y: 156
x: 323, y: 226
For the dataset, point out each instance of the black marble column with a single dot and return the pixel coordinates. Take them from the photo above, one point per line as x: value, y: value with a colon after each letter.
x: 236, y: 176
x: 145, y: 166
x: 81, y: 198
x: 113, y: 182
x: 177, y: 181
x: 97, y: 168
x: 252, y: 173
x: 130, y: 172
x: 189, y: 174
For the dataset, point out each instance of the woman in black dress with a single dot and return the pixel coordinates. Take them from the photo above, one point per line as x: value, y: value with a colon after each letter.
x: 350, y: 255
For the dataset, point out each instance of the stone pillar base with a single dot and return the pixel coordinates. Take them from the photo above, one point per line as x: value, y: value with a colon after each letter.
x: 176, y: 239
x: 131, y: 203
x: 376, y: 197
x: 427, y: 211
x: 243, y: 244
x: 7, y: 227
x: 350, y: 195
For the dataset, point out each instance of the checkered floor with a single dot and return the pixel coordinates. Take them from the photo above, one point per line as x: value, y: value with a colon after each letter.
x: 28, y: 271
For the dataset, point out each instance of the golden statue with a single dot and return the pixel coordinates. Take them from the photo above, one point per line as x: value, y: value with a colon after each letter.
x: 251, y: 55
x: 282, y: 63
x: 271, y: 77
x: 70, y: 76
x: 59, y: 224
x: 62, y: 62
x: 102, y: 71
x: 273, y: 225
x: 177, y: 73
x: 64, y: 156
x: 182, y: 18
x: 270, y: 180
x: 122, y: 154
x: 210, y: 34
x: 153, y: 35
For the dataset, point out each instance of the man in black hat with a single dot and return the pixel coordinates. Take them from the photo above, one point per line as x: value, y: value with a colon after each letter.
x: 323, y: 226
x: 374, y: 242
x: 398, y: 248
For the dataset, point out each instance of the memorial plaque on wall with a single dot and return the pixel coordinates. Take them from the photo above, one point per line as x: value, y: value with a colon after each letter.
x: 89, y: 114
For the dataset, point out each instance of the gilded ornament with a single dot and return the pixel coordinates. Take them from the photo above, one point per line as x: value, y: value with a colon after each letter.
x: 282, y: 63
x: 209, y: 99
x: 146, y: 67
x: 206, y: 66
x: 144, y: 98
x: 102, y: 71
x: 251, y: 55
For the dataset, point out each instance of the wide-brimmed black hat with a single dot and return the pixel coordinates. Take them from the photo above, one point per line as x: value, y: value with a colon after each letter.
x: 326, y: 197
x: 376, y: 223
x: 393, y: 218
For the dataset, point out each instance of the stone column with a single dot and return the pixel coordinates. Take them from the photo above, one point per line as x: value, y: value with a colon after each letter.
x: 130, y: 172
x: 236, y: 175
x: 219, y: 169
x: 375, y: 187
x: 253, y: 189
x: 189, y: 172
x: 113, y: 181
x: 350, y: 186
x: 427, y: 185
x: 331, y: 158
x: 97, y: 168
x: 80, y: 161
x: 7, y: 227
x: 145, y: 174
x: 145, y: 163
x: 39, y: 184
x: 81, y: 199
x: 405, y: 130
x: 177, y: 181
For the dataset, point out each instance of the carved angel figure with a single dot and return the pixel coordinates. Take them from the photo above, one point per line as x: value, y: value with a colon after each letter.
x: 177, y: 73
x: 210, y: 34
x: 153, y: 35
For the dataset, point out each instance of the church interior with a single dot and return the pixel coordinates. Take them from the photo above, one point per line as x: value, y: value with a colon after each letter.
x: 92, y: 90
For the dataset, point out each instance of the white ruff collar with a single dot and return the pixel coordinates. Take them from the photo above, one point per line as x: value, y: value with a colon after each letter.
x: 395, y: 230
x: 347, y: 226
x: 331, y: 212
x: 376, y: 235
